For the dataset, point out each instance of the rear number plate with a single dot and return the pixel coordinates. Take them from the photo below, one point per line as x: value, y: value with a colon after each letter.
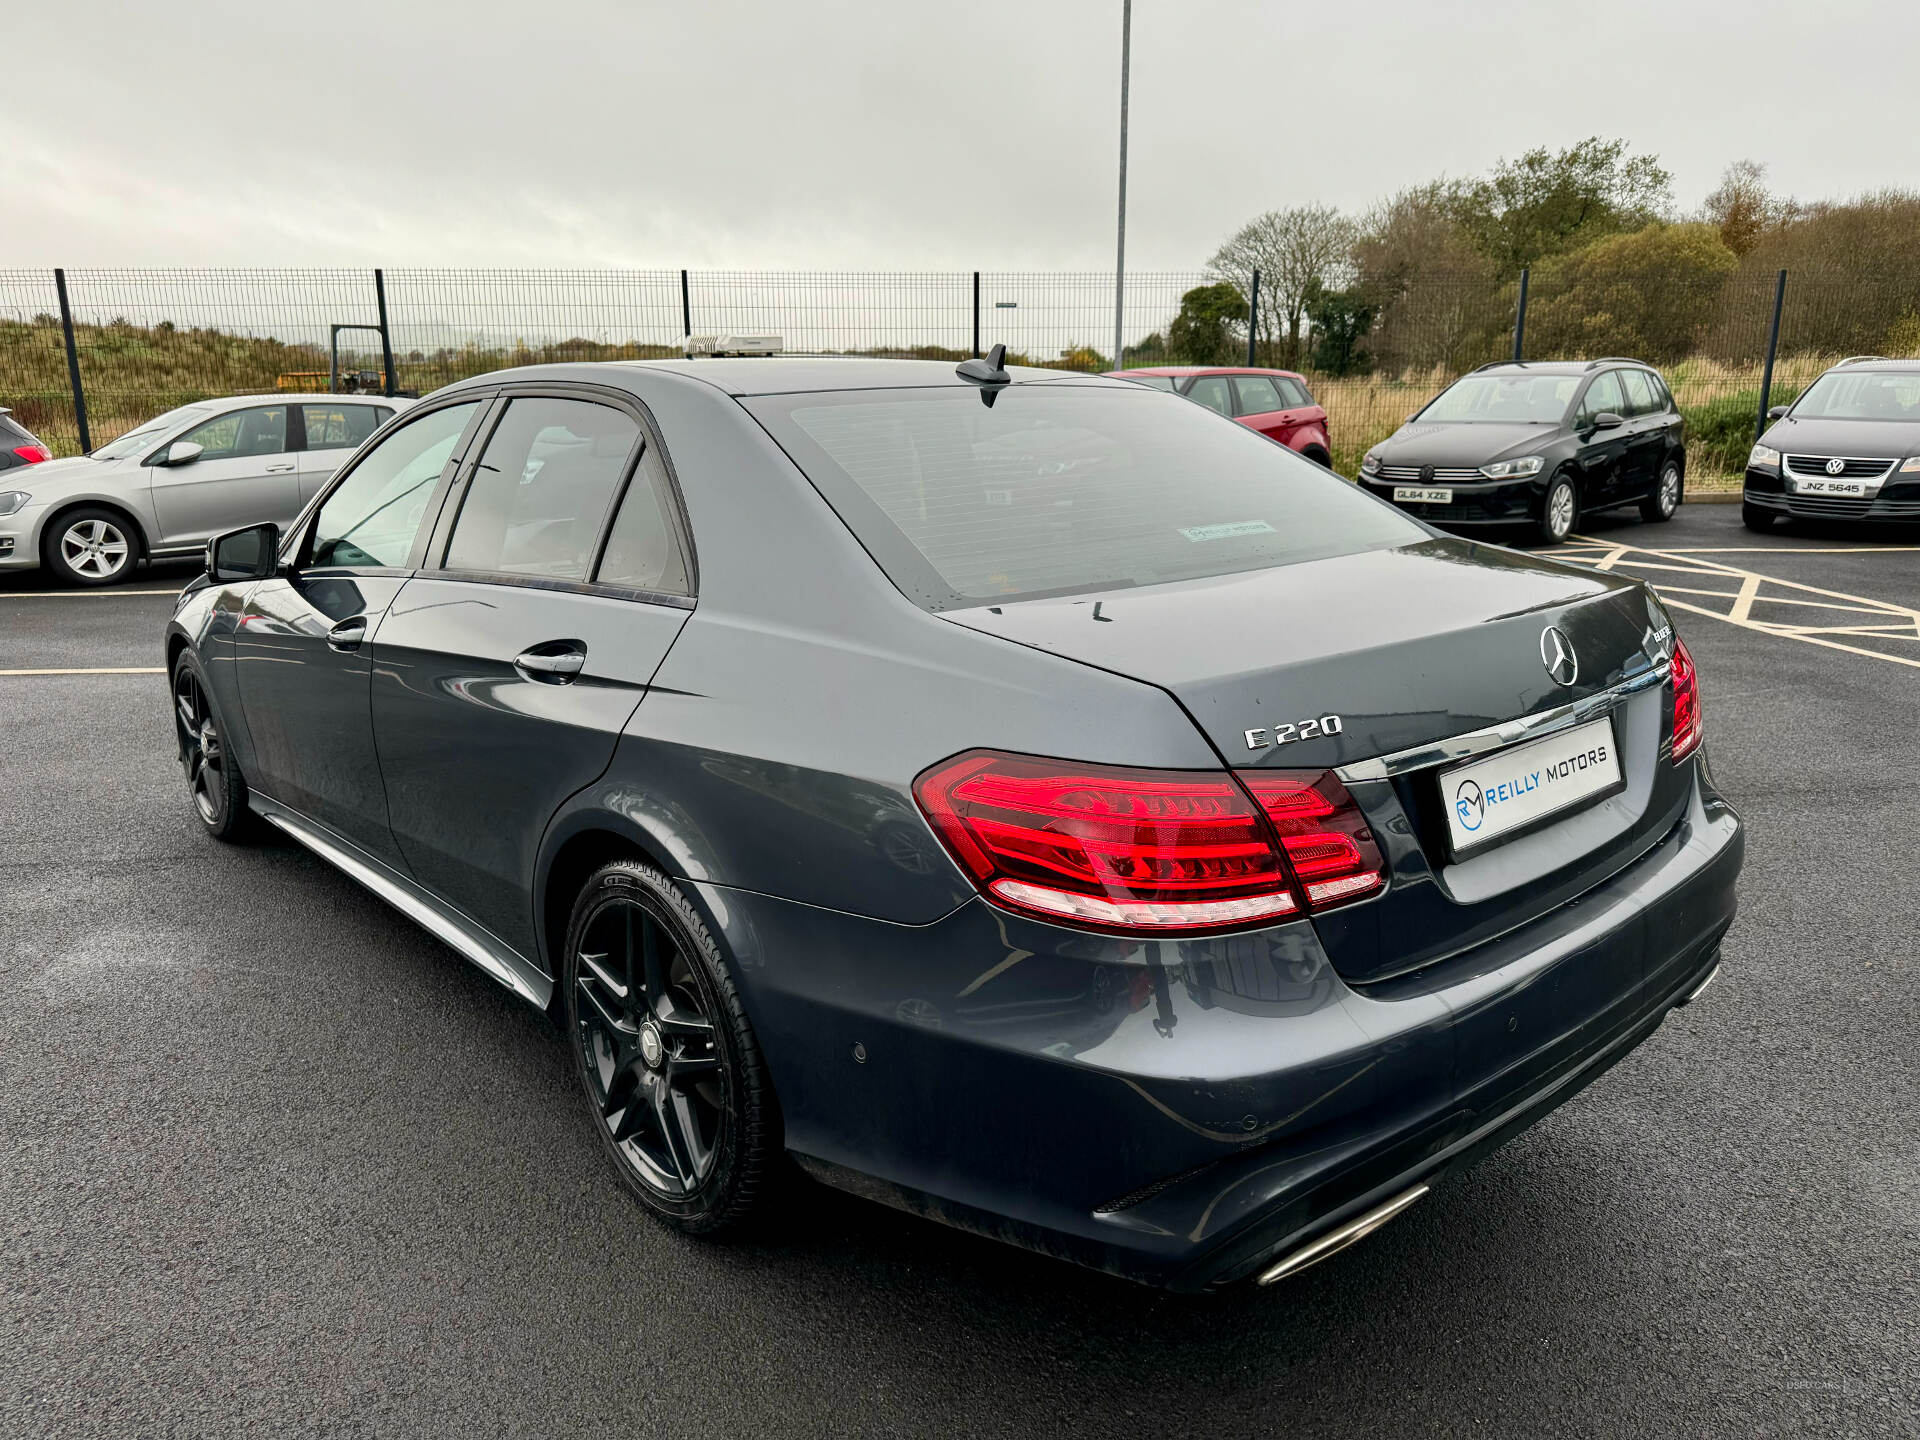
x: 1829, y: 487
x: 1511, y: 789
x: 1421, y: 495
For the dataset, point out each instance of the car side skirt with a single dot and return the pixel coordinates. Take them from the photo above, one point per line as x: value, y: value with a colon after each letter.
x: 475, y: 942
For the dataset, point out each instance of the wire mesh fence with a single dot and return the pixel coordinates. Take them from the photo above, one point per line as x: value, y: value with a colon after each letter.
x: 147, y: 340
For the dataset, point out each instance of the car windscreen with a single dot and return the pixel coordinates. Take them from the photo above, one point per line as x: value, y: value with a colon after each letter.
x: 1873, y: 395
x: 1060, y: 489
x: 1503, y: 399
x: 151, y: 433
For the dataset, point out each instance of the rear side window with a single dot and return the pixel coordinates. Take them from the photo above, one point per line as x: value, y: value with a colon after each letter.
x: 374, y: 514
x: 1292, y: 391
x: 1213, y: 392
x: 1640, y: 397
x: 1059, y: 489
x: 340, y: 427
x: 536, y: 500
x: 643, y: 550
x: 1258, y: 394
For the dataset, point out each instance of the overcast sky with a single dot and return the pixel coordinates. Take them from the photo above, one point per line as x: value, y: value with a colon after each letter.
x: 935, y: 134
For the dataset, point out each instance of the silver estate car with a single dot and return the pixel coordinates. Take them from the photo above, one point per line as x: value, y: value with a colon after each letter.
x: 168, y: 486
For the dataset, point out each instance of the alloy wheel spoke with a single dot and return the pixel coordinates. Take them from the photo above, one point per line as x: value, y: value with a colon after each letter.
x: 653, y: 981
x: 683, y: 1069
x: 675, y: 1119
x: 616, y: 1025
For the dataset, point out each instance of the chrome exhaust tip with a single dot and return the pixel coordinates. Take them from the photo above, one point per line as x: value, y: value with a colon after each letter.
x: 1700, y: 989
x: 1334, y: 1241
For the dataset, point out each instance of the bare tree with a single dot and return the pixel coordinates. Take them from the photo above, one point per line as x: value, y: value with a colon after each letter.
x: 1293, y: 250
x: 1741, y: 207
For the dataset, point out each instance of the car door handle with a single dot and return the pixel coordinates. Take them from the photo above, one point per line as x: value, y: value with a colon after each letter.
x: 278, y: 469
x: 348, y: 634
x: 551, y: 665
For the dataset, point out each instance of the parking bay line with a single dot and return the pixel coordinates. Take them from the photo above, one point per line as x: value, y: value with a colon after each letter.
x: 97, y: 670
x: 77, y: 594
x: 1897, y: 622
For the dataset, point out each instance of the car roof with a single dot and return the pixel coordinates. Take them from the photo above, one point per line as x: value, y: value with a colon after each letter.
x: 1881, y: 365
x: 1206, y: 370
x: 314, y: 397
x: 787, y: 374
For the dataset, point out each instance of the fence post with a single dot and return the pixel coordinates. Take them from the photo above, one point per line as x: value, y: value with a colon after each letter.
x: 1253, y: 322
x: 386, y: 340
x: 976, y: 314
x: 1773, y: 344
x: 1520, y: 321
x: 686, y: 307
x: 73, y: 362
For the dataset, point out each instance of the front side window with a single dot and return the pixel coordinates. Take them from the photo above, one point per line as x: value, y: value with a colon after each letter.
x: 536, y: 500
x: 1503, y: 399
x: 1603, y: 396
x: 375, y: 514
x: 341, y: 427
x: 1158, y: 382
x: 240, y: 433
x: 1258, y: 394
x: 1213, y: 392
x: 1061, y: 489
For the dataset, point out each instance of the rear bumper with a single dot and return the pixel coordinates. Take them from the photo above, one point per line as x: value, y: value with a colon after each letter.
x: 1479, y: 502
x: 1184, y: 1113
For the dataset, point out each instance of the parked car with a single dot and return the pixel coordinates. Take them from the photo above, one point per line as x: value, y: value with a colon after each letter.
x: 1847, y: 449
x: 1017, y: 796
x: 1276, y: 403
x: 19, y: 445
x: 166, y: 487
x: 1539, y: 444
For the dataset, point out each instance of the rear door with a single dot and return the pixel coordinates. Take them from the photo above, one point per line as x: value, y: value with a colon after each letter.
x: 1259, y: 405
x: 246, y: 474
x: 332, y: 430
x: 507, y: 667
x: 1648, y: 425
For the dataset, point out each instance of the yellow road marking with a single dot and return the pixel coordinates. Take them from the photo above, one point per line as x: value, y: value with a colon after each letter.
x: 99, y: 670
x: 1743, y: 602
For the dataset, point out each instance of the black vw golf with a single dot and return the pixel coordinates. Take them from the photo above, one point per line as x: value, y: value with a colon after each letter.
x: 1538, y: 444
x: 1027, y: 798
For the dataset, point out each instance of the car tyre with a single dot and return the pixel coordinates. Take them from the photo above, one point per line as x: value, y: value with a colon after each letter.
x: 1755, y: 518
x: 672, y: 1076
x: 1558, y: 511
x: 1666, y: 496
x: 214, y: 781
x: 91, y: 546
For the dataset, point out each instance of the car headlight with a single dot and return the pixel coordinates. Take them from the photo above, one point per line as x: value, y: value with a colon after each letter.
x: 1763, y: 457
x: 12, y: 502
x: 1370, y: 463
x: 1514, y: 469
x: 1910, y: 465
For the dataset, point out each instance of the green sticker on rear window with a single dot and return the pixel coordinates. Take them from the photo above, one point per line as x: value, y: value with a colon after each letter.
x: 1228, y: 531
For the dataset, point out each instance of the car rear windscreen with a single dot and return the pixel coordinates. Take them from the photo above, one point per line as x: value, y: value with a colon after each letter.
x: 969, y: 497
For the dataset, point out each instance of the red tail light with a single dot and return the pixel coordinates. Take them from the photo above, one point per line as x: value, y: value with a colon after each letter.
x: 1689, y: 721
x: 1328, y: 843
x: 33, y: 454
x: 1145, y: 851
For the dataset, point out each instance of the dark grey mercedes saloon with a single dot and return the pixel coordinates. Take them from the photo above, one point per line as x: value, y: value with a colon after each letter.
x: 1027, y: 798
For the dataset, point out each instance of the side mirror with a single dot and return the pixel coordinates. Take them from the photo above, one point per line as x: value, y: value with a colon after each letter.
x: 1607, y: 420
x: 249, y: 554
x: 1777, y: 411
x: 182, y: 452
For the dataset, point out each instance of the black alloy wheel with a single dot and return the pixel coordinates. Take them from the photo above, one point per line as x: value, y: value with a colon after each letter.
x: 1666, y: 496
x: 672, y: 1074
x: 213, y: 779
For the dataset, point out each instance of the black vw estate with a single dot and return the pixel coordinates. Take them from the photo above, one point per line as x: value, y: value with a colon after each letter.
x: 1537, y: 444
x: 1848, y: 449
x: 1027, y: 798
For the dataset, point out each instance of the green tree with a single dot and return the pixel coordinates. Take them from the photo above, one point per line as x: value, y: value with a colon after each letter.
x: 1341, y: 320
x: 1545, y: 204
x: 1436, y: 298
x: 1740, y: 208
x: 1648, y: 294
x: 1203, y: 332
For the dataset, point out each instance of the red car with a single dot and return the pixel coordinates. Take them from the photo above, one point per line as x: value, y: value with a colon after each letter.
x: 1274, y: 402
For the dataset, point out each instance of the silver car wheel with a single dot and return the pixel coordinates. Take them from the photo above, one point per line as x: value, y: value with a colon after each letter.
x: 96, y: 549
x: 1670, y: 490
x: 1560, y: 511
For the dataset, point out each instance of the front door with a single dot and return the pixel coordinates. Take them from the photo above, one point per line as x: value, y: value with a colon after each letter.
x: 303, y: 647
x: 1602, y: 453
x: 245, y: 474
x: 504, y: 674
